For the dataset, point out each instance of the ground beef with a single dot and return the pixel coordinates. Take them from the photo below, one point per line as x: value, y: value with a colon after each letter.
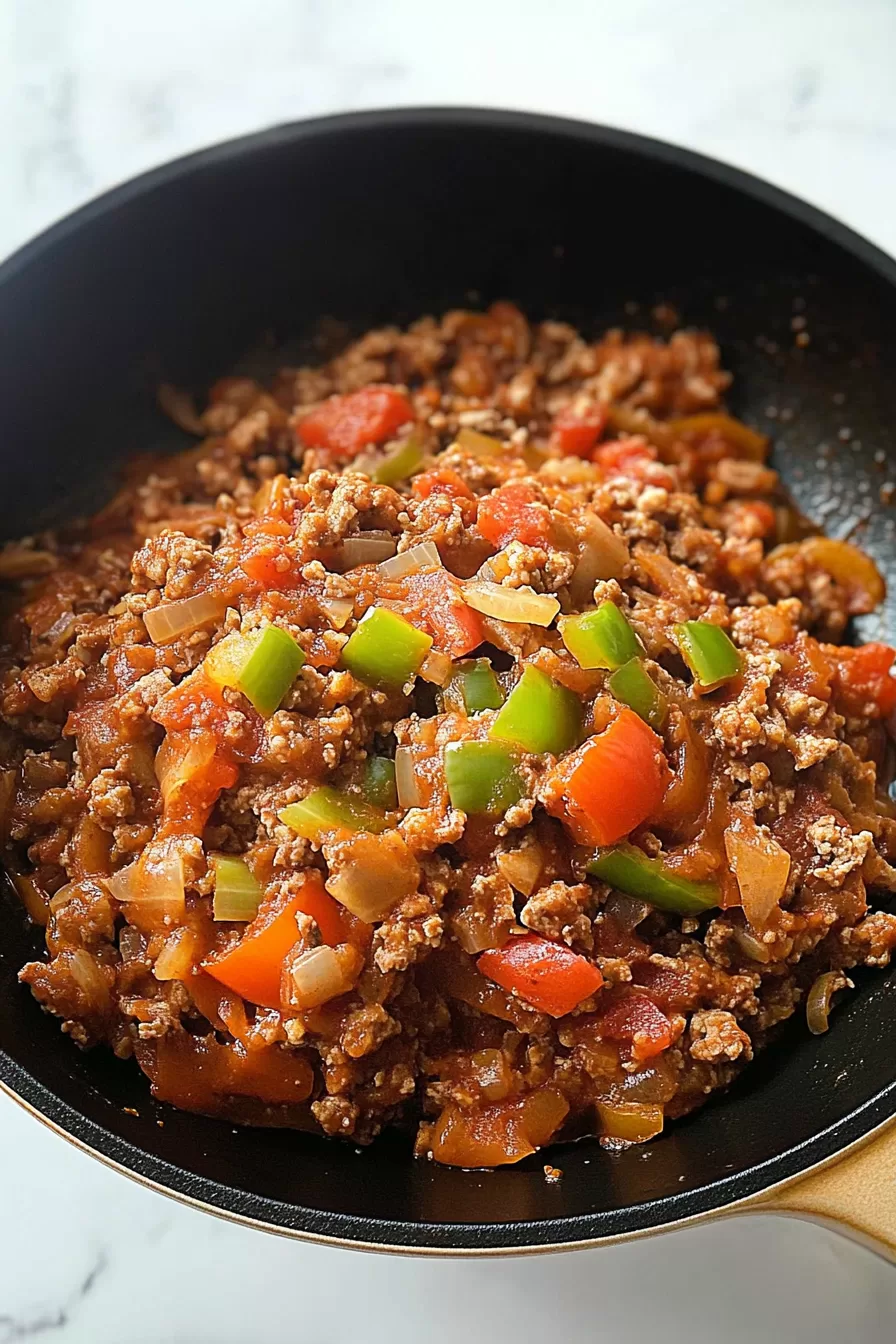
x: 407, y: 951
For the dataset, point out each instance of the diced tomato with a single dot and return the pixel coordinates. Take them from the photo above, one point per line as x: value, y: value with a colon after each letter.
x: 750, y: 518
x: 548, y: 975
x: 346, y: 424
x: 671, y: 990
x: 252, y: 968
x: 196, y: 702
x: 864, y: 677
x: 635, y: 459
x: 514, y: 512
x: 612, y: 783
x: 438, y: 607
x: 188, y: 805
x: 637, y: 1020
x: 441, y: 481
x: 271, y: 567
x: 576, y: 434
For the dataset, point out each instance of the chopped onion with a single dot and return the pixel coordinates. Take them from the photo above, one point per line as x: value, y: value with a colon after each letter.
x: 851, y: 568
x: 156, y: 878
x: 371, y: 874
x: 628, y: 1121
x: 9, y: 780
x: 89, y: 978
x: 37, y: 907
x: 178, y: 761
x: 818, y: 1000
x: 131, y: 944
x: 179, y: 406
x: 338, y: 610
x: 22, y: 562
x: 477, y: 445
x: 602, y: 555
x: 752, y: 947
x: 437, y: 668
x: 760, y: 865
x: 425, y: 555
x: 519, y: 606
x: 406, y: 784
x: 366, y: 550
x: 523, y: 867
x: 177, y: 956
x: 173, y: 619
x: 317, y: 977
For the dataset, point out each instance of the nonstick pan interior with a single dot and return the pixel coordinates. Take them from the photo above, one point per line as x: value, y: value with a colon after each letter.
x: 382, y: 217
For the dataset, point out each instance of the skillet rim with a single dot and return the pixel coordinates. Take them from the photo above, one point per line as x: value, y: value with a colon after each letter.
x: 407, y: 1235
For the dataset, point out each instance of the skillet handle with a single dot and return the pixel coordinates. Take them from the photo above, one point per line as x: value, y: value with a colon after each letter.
x: 855, y: 1195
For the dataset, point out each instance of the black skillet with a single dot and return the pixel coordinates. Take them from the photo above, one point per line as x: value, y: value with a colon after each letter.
x: 380, y: 217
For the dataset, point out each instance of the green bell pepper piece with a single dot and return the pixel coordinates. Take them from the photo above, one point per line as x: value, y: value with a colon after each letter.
x: 629, y: 869
x: 237, y: 892
x: 708, y: 652
x: 479, y: 687
x: 379, y: 782
x: 600, y: 638
x: 270, y: 669
x: 385, y: 649
x: 482, y: 777
x: 326, y: 809
x: 633, y: 685
x: 539, y: 715
x: 400, y: 464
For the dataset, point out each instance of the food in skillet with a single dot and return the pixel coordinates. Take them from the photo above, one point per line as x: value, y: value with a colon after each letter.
x: 458, y: 736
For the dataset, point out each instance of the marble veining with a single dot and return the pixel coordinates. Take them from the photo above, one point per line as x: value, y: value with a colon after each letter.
x: 92, y: 92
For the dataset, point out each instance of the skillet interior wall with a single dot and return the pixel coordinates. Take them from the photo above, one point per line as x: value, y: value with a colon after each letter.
x: 179, y: 278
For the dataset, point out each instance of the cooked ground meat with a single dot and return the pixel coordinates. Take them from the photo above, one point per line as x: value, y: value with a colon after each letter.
x: 446, y: 741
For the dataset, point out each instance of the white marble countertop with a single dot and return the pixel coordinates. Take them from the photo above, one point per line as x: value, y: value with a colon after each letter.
x: 91, y: 92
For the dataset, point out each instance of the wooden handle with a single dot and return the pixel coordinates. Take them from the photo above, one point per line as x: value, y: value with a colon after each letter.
x: 855, y: 1194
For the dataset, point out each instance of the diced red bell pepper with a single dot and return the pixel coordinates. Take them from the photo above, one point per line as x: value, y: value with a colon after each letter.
x: 863, y: 677
x: 441, y: 481
x: 253, y: 967
x: 612, y: 783
x: 344, y: 425
x: 576, y: 434
x: 514, y: 512
x: 547, y: 975
x: 637, y: 1020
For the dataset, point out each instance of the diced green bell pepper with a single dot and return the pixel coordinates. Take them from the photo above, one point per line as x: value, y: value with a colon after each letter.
x: 539, y: 715
x: 237, y: 892
x: 600, y: 638
x: 482, y: 777
x: 270, y: 669
x: 708, y: 652
x: 379, y: 782
x: 633, y: 685
x: 326, y: 809
x: 629, y: 869
x: 385, y: 649
x: 479, y: 687
x: 400, y: 464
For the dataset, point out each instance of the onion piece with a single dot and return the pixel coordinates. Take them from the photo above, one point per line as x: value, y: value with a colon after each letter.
x: 37, y: 907
x: 318, y: 976
x: 475, y: 444
x: 851, y: 568
x: 436, y: 668
x: 626, y: 911
x: 629, y: 1122
x: 23, y: 562
x: 818, y: 1000
x: 173, y: 619
x: 602, y: 555
x: 178, y: 761
x: 760, y: 865
x: 157, y: 878
x: 366, y: 549
x: 9, y: 781
x: 371, y: 874
x: 179, y: 406
x: 523, y: 867
x: 338, y: 610
x: 752, y: 947
x: 518, y: 606
x: 177, y: 956
x: 425, y: 555
x: 89, y: 978
x: 406, y: 784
